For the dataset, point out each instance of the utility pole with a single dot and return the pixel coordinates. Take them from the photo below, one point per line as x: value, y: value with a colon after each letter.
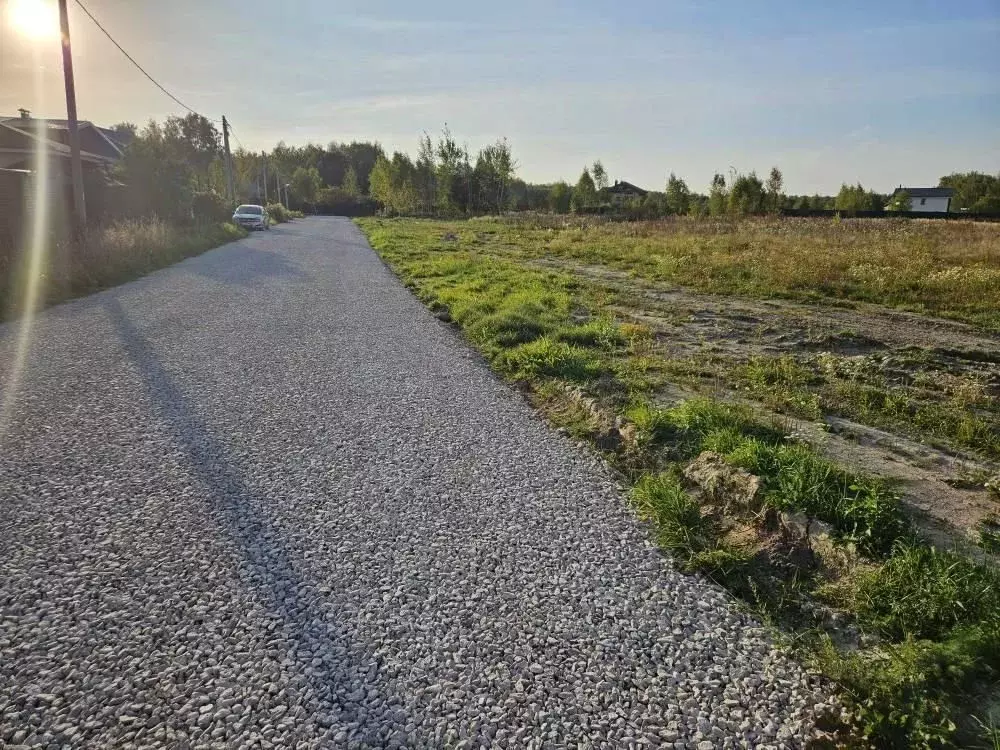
x: 76, y: 165
x: 230, y: 191
x: 263, y: 165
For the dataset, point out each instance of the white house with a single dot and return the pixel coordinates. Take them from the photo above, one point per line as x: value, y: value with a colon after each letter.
x: 930, y: 200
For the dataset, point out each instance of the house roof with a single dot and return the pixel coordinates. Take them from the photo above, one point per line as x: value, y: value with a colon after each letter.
x: 936, y: 192
x: 626, y: 188
x: 101, y: 143
x: 18, y: 148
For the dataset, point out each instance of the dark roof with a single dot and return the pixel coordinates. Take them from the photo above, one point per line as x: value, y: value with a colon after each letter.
x: 17, y: 141
x: 100, y: 142
x: 938, y: 192
x: 626, y: 188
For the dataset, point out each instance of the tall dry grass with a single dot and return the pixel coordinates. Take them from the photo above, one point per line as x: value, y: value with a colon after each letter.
x: 949, y: 268
x: 108, y: 255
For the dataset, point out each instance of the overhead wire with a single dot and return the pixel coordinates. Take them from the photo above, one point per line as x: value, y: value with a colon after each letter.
x: 132, y: 60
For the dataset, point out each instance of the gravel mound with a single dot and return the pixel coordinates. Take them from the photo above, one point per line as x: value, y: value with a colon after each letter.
x: 262, y: 499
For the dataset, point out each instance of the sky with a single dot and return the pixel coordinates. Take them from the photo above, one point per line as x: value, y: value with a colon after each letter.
x: 885, y: 93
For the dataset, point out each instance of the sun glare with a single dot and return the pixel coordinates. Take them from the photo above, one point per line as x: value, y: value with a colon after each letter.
x: 38, y: 19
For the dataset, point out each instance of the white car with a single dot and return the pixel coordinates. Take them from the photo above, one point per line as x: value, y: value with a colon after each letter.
x: 252, y: 217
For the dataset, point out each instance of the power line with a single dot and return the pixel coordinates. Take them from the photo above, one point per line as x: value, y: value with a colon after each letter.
x: 233, y: 134
x: 131, y: 59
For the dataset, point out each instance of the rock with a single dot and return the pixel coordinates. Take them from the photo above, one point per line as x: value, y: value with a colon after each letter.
x: 795, y: 526
x: 722, y: 484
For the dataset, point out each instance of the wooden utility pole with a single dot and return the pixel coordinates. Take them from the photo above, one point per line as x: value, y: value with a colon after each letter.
x: 230, y: 190
x: 73, y: 125
x: 263, y: 166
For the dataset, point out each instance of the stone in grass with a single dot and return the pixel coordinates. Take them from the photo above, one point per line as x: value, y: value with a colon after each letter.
x: 735, y: 490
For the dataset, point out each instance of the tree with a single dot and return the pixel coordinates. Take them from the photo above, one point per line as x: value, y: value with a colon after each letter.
x: 900, y: 201
x: 426, y: 179
x: 380, y: 182
x: 495, y: 168
x: 126, y: 131
x: 362, y: 155
x: 746, y: 196
x: 195, y: 140
x: 392, y: 184
x: 853, y: 198
x: 678, y: 197
x: 655, y: 205
x: 449, y: 169
x: 774, y: 197
x: 718, y: 196
x: 332, y: 165
x: 159, y: 180
x: 350, y: 184
x: 584, y: 194
x: 974, y: 191
x: 600, y: 175
x: 306, y: 184
x: 559, y: 198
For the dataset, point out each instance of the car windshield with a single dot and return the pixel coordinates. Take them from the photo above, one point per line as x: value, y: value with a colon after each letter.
x: 250, y: 210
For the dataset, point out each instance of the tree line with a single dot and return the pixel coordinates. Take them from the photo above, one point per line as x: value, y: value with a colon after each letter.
x: 177, y: 167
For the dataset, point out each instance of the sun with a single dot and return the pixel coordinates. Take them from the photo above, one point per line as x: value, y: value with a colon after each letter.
x: 38, y: 19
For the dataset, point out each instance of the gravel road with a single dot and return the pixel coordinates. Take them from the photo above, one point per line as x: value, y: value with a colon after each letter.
x: 264, y: 499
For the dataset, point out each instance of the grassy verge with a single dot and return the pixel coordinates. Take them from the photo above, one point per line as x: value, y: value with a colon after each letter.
x: 912, y: 634
x: 109, y: 256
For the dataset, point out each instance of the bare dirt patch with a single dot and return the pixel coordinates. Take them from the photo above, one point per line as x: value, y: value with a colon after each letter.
x: 942, y: 481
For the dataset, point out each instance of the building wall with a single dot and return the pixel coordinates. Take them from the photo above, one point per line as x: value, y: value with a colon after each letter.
x: 931, y: 205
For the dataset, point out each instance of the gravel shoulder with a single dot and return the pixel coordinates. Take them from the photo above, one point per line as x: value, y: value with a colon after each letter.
x: 264, y: 499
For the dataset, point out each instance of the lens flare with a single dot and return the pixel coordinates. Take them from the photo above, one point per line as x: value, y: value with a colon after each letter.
x: 33, y: 265
x: 38, y: 19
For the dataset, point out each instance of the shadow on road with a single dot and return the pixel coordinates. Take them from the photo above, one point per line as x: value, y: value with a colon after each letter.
x: 242, y: 265
x: 294, y: 602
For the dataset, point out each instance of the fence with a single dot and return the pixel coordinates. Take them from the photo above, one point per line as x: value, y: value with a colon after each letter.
x: 831, y: 213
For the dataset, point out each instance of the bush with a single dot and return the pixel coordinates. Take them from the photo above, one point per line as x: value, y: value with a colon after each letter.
x: 278, y: 213
x: 210, y: 208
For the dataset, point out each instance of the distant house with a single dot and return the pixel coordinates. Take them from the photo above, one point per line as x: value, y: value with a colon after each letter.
x: 931, y: 200
x: 623, y: 192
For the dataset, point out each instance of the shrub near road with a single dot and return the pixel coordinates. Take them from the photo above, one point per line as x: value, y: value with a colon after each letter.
x: 825, y: 550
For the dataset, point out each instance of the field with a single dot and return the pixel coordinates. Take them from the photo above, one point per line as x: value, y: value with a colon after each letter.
x: 807, y: 411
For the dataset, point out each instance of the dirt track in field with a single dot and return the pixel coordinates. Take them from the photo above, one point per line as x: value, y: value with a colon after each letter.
x: 942, y: 485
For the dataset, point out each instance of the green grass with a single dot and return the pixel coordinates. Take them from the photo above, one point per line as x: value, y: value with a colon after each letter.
x: 545, y: 358
x: 681, y: 529
x: 861, y: 509
x: 916, y: 693
x: 925, y: 593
